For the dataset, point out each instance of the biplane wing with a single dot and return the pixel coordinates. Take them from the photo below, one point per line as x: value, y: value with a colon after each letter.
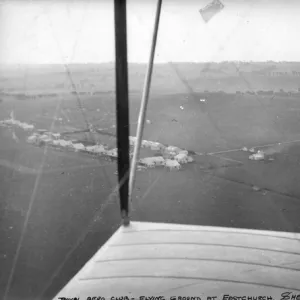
x: 155, y: 259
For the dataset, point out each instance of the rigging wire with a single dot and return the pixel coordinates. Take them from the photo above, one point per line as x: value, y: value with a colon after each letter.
x: 68, y: 72
x: 145, y: 98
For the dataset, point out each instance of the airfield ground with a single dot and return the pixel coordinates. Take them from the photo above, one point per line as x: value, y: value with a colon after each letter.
x: 73, y: 213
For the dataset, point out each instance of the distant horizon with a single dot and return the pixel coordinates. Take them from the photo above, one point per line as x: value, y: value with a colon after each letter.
x: 144, y: 63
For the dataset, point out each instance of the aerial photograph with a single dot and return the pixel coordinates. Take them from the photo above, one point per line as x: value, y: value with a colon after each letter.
x: 150, y: 149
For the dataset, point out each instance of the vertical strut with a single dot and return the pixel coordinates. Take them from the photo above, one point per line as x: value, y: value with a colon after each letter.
x: 122, y: 107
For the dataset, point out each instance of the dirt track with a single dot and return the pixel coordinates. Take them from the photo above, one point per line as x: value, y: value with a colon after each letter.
x: 72, y: 188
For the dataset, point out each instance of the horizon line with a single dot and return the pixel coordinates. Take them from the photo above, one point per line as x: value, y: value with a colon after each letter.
x: 145, y: 63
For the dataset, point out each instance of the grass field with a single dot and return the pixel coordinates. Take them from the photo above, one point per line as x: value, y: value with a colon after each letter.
x: 73, y: 204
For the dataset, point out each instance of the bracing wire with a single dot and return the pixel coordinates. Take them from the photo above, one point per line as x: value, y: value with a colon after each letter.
x: 145, y: 97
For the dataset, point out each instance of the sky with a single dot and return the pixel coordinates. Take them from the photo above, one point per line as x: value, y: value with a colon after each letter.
x: 56, y: 31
